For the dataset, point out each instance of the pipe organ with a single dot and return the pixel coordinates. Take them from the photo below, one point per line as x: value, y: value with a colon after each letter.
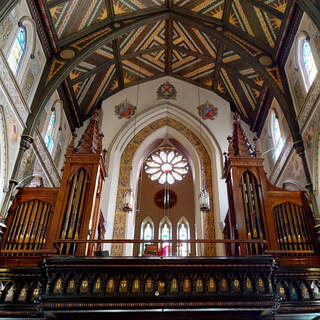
x: 39, y: 216
x: 253, y: 215
x: 259, y: 210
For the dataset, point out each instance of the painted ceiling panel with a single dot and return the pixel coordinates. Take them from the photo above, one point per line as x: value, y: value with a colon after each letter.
x: 101, y: 56
x: 130, y: 6
x: 93, y: 87
x: 279, y: 5
x: 82, y: 69
x: 256, y: 22
x: 146, y: 65
x: 72, y: 16
x: 233, y: 92
x: 145, y: 37
x: 211, y: 8
x: 189, y: 38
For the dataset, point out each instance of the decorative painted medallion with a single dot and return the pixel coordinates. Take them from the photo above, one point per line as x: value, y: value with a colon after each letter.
x: 125, y: 110
x: 207, y: 111
x: 166, y: 91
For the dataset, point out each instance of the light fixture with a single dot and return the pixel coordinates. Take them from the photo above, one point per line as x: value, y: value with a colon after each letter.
x: 127, y: 197
x: 204, y: 197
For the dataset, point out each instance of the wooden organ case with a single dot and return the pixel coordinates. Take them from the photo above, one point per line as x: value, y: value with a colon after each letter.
x: 258, y: 210
x: 40, y: 216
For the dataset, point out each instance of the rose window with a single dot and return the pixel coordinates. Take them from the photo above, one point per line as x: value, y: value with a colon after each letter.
x: 166, y: 166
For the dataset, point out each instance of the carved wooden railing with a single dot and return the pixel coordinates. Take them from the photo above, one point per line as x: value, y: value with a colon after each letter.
x: 61, y: 285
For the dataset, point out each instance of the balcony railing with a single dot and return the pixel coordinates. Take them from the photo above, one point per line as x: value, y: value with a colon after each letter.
x: 196, y: 248
x: 69, y: 284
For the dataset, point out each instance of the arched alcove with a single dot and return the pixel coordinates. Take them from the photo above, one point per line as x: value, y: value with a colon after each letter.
x: 181, y: 126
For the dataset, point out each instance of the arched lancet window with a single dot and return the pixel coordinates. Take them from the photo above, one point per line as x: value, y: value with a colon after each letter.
x: 306, y: 60
x: 165, y: 234
x: 276, y: 134
x: 147, y: 232
x: 17, y: 50
x: 183, y: 233
x: 48, y: 139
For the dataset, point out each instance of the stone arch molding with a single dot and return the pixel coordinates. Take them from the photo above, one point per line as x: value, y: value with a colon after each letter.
x: 4, y: 161
x: 30, y: 26
x: 151, y: 124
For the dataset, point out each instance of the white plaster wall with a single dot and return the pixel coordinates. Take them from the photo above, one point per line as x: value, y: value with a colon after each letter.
x: 187, y: 98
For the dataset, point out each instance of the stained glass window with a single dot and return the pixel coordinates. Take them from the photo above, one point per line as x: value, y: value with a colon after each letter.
x: 166, y: 166
x: 48, y: 139
x: 146, y: 233
x: 276, y: 135
x: 165, y: 234
x: 17, y: 50
x: 310, y: 69
x: 183, y: 234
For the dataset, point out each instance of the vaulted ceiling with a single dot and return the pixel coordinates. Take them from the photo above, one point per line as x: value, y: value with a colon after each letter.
x: 231, y: 47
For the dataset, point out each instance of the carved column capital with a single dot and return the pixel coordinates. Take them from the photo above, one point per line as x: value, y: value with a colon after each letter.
x: 26, y: 142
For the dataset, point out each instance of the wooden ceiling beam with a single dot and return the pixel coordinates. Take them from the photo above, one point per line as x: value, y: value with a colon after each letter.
x: 216, y: 74
x: 226, y: 11
x: 118, y: 64
x: 168, y: 44
x: 110, y: 9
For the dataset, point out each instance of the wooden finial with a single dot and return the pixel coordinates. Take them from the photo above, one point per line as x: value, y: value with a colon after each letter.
x: 240, y: 145
x: 90, y: 142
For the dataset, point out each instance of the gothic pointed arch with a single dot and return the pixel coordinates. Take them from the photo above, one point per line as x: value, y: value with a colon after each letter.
x: 120, y: 218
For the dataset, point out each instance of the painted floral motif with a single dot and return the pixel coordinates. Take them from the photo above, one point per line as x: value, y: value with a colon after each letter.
x: 125, y: 110
x: 166, y: 91
x: 207, y: 111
